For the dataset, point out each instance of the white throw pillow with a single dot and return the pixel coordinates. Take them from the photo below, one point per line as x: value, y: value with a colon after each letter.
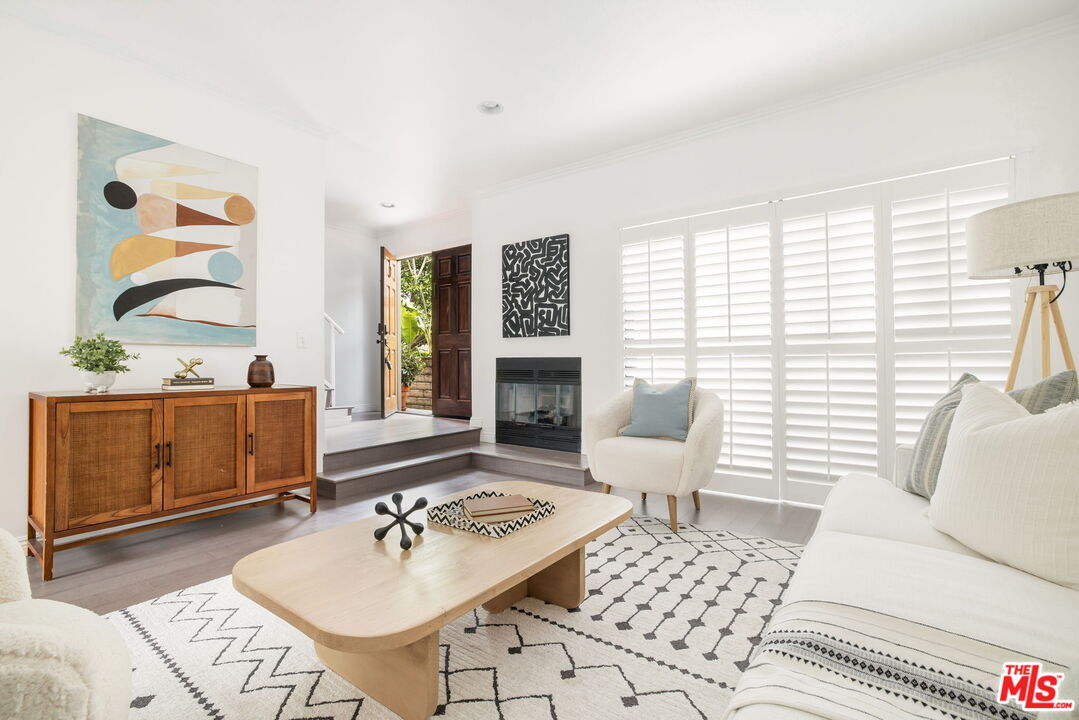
x: 1009, y: 484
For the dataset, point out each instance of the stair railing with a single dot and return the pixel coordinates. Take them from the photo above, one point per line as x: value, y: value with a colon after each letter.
x: 330, y: 380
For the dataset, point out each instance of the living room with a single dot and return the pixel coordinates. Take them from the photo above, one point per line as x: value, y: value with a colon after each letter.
x: 708, y: 283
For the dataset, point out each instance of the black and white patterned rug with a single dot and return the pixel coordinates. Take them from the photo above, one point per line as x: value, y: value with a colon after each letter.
x: 666, y: 629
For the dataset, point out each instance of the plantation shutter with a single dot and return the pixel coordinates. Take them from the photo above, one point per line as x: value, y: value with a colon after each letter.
x: 733, y: 331
x: 945, y: 324
x: 653, y: 307
x: 828, y: 324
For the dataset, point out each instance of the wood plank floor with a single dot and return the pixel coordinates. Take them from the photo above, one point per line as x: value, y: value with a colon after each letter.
x: 113, y: 574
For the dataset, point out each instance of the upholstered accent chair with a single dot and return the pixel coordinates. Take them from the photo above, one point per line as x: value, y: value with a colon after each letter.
x: 57, y: 661
x: 653, y: 465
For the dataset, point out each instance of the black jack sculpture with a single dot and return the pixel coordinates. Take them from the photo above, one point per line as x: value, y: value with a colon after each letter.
x: 400, y: 518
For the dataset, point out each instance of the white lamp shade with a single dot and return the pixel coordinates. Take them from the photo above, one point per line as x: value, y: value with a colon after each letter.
x: 1031, y: 232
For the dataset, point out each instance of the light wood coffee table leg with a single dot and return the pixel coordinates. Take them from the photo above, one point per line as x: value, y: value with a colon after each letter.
x: 559, y: 584
x: 404, y: 679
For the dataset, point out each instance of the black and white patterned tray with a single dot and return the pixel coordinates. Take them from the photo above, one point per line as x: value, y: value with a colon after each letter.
x: 452, y: 514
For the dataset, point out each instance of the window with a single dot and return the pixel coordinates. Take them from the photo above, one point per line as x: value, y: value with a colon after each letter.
x: 829, y: 323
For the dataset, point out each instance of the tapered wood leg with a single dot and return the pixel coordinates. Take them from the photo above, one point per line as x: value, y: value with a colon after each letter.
x: 644, y: 496
x: 500, y: 602
x: 697, y: 499
x: 1020, y: 341
x: 31, y: 535
x: 1062, y: 336
x: 562, y: 583
x: 606, y: 489
x: 405, y: 679
x: 672, y: 510
x: 1046, y: 297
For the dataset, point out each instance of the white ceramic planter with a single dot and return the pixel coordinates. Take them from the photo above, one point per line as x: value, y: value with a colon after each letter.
x: 98, y: 382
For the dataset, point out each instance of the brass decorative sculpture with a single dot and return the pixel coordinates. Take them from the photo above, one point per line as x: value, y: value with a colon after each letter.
x: 189, y: 367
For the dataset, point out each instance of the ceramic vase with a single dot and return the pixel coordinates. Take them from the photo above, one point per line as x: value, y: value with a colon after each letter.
x: 260, y: 372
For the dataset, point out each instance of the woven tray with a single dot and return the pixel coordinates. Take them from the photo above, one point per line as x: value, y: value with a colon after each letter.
x: 453, y: 515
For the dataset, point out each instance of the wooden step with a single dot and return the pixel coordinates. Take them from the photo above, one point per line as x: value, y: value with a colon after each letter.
x: 333, y: 462
x: 393, y: 474
x: 561, y: 467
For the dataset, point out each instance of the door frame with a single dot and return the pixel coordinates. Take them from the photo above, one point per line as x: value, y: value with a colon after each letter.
x: 385, y: 407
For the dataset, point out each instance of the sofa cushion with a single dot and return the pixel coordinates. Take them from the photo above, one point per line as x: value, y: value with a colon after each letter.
x: 1009, y: 484
x: 643, y: 464
x: 62, y: 661
x: 866, y: 505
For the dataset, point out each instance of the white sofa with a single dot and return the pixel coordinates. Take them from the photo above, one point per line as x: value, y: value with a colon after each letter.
x: 57, y: 661
x: 649, y: 465
x: 865, y: 525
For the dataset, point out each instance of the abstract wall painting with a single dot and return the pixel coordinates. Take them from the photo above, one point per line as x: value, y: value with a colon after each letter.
x: 535, y: 287
x: 166, y: 239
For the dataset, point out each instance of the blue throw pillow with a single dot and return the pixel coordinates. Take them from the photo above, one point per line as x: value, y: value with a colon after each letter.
x: 665, y: 413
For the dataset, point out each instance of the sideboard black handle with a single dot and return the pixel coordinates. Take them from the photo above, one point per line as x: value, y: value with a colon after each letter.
x: 157, y: 451
x: 168, y: 454
x: 250, y: 443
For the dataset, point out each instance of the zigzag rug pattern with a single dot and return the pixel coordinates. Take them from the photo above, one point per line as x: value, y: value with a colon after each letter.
x: 668, y: 625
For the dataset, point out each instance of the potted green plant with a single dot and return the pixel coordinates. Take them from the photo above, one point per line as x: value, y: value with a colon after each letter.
x: 100, y: 359
x: 411, y: 366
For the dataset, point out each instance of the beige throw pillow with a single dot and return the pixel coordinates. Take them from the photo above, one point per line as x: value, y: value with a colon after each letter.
x: 1009, y: 484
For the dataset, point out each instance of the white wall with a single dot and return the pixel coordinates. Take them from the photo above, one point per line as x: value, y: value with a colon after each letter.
x: 48, y: 80
x: 437, y: 233
x: 1019, y: 99
x: 352, y: 288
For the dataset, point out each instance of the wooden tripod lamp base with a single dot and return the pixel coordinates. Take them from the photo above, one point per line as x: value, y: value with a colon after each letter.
x: 1041, y: 295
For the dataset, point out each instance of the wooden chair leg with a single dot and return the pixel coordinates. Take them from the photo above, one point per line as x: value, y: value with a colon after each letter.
x: 606, y: 489
x: 697, y: 499
x: 644, y: 496
x: 672, y: 510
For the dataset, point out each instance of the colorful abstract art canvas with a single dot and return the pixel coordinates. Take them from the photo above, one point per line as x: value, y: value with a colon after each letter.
x: 166, y: 240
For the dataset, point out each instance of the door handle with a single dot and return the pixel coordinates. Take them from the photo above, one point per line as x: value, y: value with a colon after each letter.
x: 157, y: 452
x: 168, y: 454
x: 250, y: 443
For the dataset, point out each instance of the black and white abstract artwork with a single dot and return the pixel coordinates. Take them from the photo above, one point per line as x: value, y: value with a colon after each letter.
x: 535, y: 287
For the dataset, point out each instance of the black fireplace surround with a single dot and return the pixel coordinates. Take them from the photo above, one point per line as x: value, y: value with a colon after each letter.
x: 538, y: 402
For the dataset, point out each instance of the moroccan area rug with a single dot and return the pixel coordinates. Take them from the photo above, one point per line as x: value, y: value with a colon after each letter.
x: 667, y: 627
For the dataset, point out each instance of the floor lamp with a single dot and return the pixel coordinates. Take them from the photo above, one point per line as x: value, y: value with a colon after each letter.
x: 1034, y: 237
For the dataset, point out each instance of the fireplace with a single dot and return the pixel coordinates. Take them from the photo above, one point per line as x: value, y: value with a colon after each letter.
x: 538, y: 402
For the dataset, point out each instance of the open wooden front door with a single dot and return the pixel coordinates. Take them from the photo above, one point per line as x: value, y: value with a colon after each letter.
x: 451, y: 365
x: 388, y: 329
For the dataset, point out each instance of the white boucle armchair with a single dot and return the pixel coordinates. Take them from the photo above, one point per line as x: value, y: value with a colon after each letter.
x: 57, y: 661
x: 650, y: 465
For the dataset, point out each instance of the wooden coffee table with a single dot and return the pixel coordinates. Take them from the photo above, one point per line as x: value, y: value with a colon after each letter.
x: 374, y: 611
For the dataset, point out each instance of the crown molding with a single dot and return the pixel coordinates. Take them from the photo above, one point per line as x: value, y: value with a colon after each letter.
x: 92, y: 42
x: 1020, y: 38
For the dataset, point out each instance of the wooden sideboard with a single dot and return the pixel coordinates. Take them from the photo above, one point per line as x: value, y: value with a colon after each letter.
x: 112, y: 460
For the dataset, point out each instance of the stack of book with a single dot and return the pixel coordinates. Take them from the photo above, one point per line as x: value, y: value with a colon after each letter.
x: 175, y: 383
x: 498, y: 509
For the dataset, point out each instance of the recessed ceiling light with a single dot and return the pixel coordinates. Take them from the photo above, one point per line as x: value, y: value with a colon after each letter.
x: 387, y: 204
x: 490, y: 107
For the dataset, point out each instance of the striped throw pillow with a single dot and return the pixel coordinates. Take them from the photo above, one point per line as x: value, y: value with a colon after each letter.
x: 921, y: 478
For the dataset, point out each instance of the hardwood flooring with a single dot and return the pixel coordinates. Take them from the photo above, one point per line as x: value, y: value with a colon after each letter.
x: 113, y: 574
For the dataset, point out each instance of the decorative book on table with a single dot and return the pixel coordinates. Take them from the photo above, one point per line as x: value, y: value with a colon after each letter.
x: 174, y: 383
x: 453, y: 514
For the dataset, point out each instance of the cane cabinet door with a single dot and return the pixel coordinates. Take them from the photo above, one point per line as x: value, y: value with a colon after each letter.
x: 204, y: 449
x: 278, y: 454
x: 109, y: 461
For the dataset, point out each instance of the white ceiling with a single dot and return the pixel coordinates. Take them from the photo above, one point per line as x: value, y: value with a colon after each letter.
x: 395, y: 83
